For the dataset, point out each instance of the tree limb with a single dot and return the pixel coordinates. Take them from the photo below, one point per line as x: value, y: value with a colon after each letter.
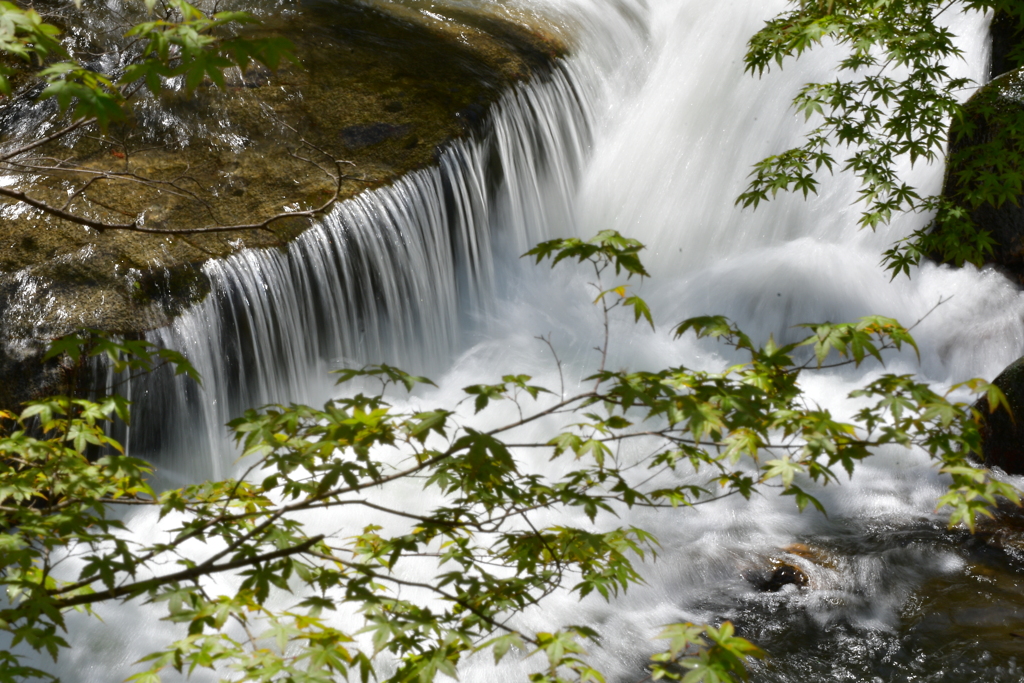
x: 139, y: 587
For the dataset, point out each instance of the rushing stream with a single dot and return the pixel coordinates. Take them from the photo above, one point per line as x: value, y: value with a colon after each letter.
x: 650, y: 129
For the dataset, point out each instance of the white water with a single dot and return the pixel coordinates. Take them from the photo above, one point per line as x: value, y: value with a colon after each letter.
x: 424, y: 274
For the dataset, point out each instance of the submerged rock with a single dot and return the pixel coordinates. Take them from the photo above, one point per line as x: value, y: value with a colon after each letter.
x: 365, y: 135
x: 783, y: 571
x: 782, y: 576
x: 1002, y: 433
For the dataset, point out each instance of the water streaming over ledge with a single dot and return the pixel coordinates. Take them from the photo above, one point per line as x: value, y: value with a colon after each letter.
x: 395, y: 275
x: 648, y: 129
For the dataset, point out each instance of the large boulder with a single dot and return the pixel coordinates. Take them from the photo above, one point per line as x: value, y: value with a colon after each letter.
x: 985, y: 176
x: 381, y: 86
x: 1002, y: 432
x: 1007, y: 44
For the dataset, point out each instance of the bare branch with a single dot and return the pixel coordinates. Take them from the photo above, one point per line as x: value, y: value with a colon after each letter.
x: 66, y: 215
x: 140, y: 587
x: 138, y: 225
x: 48, y: 138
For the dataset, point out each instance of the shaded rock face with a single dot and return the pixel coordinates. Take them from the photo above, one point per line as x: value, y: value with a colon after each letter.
x: 1007, y: 41
x: 984, y: 158
x: 365, y: 135
x: 989, y: 139
x: 1003, y: 434
x: 381, y: 87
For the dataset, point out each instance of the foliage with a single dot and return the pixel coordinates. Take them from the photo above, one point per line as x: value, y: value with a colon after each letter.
x: 892, y: 99
x: 192, y: 48
x: 183, y: 41
x: 24, y: 35
x: 284, y: 524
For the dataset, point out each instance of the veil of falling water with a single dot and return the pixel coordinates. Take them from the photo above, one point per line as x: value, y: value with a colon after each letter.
x: 650, y: 129
x: 395, y: 275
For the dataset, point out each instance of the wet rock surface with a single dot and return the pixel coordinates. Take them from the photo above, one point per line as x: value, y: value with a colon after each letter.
x: 380, y: 87
x: 777, y: 576
x: 1002, y: 432
x: 889, y: 601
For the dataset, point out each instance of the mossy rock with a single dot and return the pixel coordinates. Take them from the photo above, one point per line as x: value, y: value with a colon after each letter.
x: 381, y: 87
x: 984, y: 181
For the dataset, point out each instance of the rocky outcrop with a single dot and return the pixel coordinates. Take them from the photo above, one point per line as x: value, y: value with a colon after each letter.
x: 1007, y: 42
x: 984, y: 170
x: 985, y: 173
x: 1002, y: 433
x: 380, y: 87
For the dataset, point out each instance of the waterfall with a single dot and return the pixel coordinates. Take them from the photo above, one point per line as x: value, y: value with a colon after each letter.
x: 649, y: 128
x: 395, y: 275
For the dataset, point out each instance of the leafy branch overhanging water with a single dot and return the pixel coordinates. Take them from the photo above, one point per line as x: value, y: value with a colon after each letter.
x: 892, y: 100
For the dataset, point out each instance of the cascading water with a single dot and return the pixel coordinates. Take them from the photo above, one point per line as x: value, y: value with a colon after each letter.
x: 649, y: 130
x: 395, y: 275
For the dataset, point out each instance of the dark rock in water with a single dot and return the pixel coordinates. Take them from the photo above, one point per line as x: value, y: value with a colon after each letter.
x: 985, y: 148
x: 1001, y: 535
x: 472, y: 116
x: 783, y: 575
x: 1002, y: 434
x: 1007, y: 44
